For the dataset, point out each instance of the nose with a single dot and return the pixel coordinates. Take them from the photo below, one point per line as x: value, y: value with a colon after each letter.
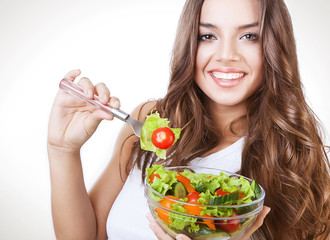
x: 227, y: 51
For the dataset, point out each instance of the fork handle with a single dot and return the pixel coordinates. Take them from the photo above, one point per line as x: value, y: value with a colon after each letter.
x: 75, y: 90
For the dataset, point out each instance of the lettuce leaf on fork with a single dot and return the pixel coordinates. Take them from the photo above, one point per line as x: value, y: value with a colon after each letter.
x: 153, y: 122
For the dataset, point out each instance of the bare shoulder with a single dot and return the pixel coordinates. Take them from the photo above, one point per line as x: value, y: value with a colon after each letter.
x: 143, y: 109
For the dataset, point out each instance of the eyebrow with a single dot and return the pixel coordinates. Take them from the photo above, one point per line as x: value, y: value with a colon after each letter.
x: 245, y: 26
x: 208, y: 25
x: 250, y: 25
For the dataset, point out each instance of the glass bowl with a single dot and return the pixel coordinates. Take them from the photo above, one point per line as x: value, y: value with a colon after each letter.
x: 167, y: 211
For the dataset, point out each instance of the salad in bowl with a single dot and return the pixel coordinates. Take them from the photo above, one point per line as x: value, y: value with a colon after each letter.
x: 202, y: 203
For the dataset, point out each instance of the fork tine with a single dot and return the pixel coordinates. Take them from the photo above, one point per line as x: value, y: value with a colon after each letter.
x: 136, y: 125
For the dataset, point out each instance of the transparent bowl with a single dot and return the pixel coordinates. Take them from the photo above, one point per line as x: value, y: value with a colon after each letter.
x: 210, y: 228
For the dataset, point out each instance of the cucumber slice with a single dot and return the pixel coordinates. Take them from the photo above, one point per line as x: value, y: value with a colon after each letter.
x: 201, y: 188
x: 169, y: 192
x: 179, y: 190
x: 256, y: 189
x: 206, y: 233
x: 214, y: 236
x: 224, y: 199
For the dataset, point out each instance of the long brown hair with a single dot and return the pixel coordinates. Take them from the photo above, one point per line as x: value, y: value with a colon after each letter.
x: 283, y: 148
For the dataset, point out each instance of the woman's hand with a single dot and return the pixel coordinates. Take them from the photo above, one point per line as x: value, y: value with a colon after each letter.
x: 72, y: 121
x: 257, y: 224
x: 161, y: 235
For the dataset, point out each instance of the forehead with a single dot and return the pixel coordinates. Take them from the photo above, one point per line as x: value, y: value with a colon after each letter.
x: 230, y: 12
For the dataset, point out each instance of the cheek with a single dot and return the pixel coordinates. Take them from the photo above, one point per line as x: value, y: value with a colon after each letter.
x: 258, y: 68
x: 254, y: 59
x: 203, y: 56
x: 199, y: 62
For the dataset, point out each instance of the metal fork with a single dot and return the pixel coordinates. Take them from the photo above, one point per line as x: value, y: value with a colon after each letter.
x: 75, y: 90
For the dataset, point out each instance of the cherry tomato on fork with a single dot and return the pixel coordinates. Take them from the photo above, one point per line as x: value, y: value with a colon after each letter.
x: 163, y: 138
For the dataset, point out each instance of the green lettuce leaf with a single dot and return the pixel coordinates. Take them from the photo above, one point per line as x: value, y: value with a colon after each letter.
x: 166, y: 180
x: 243, y: 185
x: 180, y: 222
x: 153, y: 122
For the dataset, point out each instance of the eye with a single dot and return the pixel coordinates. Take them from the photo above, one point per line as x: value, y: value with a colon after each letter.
x: 250, y: 37
x: 206, y: 37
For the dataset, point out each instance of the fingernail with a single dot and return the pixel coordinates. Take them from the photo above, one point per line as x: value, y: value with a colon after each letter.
x: 105, y: 98
x: 116, y: 103
x: 90, y: 93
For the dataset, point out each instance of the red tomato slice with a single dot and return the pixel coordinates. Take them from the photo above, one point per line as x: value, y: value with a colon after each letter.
x: 193, y: 209
x: 229, y: 225
x: 163, y: 138
x: 152, y: 177
x: 220, y: 192
x: 193, y: 197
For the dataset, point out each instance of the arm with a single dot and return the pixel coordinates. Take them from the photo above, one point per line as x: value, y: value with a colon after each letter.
x: 71, y: 123
x: 73, y: 214
x: 77, y: 214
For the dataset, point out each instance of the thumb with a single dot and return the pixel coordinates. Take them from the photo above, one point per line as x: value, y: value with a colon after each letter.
x: 91, y: 123
x: 94, y: 120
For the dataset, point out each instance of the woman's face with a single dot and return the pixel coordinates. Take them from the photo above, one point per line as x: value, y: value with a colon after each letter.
x: 229, y: 55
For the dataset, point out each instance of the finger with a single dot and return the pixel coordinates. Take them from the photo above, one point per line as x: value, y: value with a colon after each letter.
x: 104, y: 95
x: 149, y: 217
x: 72, y: 74
x: 160, y: 234
x: 87, y: 87
x: 114, y: 102
x: 259, y: 221
x: 103, y: 92
x: 101, y: 115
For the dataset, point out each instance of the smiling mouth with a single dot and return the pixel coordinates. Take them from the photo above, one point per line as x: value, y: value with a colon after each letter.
x: 227, y: 76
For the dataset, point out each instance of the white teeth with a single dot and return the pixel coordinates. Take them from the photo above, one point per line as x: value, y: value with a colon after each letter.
x: 227, y: 76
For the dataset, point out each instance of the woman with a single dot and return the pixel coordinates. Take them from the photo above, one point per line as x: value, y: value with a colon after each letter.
x: 234, y: 87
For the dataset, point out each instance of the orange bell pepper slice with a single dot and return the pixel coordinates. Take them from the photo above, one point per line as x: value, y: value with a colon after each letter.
x: 196, y: 210
x: 166, y: 203
x: 186, y: 182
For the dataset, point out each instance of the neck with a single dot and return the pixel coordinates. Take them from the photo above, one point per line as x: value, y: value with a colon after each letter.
x: 229, y: 120
x: 225, y: 118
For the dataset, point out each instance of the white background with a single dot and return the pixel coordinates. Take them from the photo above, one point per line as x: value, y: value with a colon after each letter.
x: 127, y: 45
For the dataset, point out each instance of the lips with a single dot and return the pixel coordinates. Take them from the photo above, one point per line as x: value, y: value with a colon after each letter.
x: 227, y: 77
